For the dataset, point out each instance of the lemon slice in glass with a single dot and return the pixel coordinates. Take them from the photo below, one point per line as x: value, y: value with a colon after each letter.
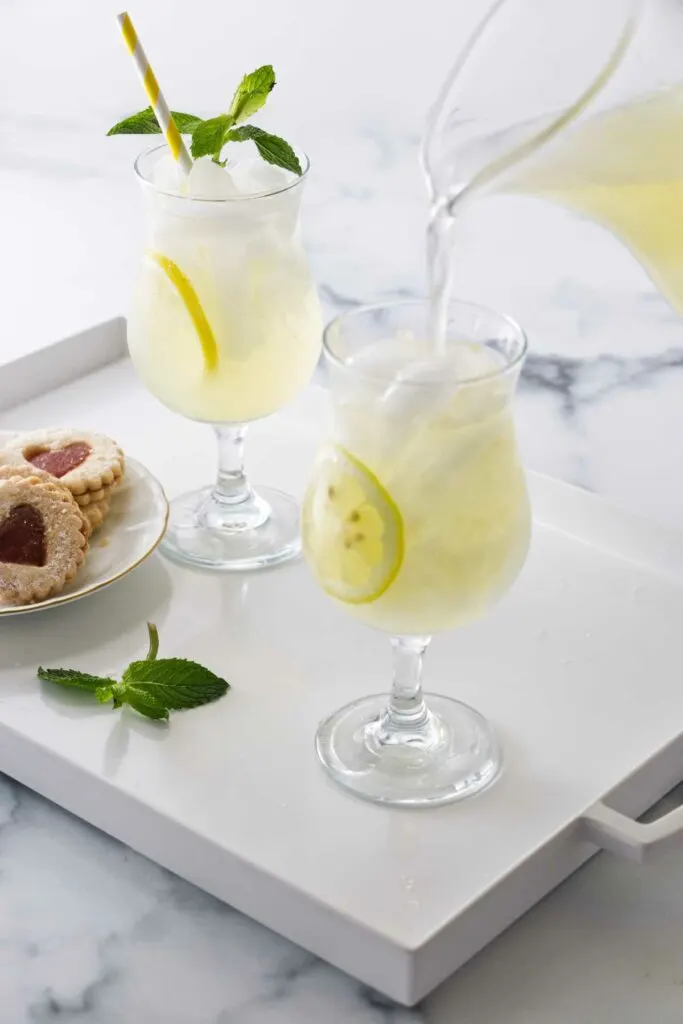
x: 190, y: 300
x: 352, y: 529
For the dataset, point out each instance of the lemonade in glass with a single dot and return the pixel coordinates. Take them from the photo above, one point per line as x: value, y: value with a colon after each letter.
x: 225, y: 329
x: 415, y: 521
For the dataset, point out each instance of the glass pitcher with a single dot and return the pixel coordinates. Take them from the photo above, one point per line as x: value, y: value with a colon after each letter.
x: 575, y: 102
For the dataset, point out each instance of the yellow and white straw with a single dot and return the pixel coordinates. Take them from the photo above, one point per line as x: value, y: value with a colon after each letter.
x: 159, y: 105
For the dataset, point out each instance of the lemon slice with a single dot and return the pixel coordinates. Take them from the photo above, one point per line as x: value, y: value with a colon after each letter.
x: 190, y: 299
x: 352, y: 529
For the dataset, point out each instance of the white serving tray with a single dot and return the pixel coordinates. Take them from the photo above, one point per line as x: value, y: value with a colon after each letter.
x: 579, y: 668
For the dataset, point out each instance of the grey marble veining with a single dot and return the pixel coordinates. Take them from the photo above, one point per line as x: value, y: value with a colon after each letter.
x: 90, y: 931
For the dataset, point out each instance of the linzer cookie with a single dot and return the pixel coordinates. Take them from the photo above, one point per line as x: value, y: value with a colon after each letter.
x: 84, y: 462
x: 42, y: 539
x: 39, y: 475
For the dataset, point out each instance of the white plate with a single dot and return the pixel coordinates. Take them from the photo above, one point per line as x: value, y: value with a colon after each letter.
x: 133, y: 529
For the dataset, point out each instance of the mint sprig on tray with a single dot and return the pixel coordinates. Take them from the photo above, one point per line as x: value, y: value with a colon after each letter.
x: 210, y: 136
x: 153, y: 687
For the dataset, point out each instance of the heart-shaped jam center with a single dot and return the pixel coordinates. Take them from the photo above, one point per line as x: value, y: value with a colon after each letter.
x: 22, y: 537
x: 60, y: 461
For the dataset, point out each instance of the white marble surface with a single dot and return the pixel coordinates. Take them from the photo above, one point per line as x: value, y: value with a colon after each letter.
x: 88, y: 930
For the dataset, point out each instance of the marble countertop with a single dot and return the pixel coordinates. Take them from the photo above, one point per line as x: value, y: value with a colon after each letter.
x: 89, y: 931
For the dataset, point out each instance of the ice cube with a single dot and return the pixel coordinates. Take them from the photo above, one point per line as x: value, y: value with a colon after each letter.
x: 418, y: 393
x: 208, y: 180
x: 167, y: 175
x: 253, y: 176
x: 409, y: 389
x: 413, y: 403
x: 430, y: 382
x: 407, y: 377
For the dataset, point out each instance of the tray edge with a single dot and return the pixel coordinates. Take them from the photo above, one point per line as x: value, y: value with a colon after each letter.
x: 69, y: 359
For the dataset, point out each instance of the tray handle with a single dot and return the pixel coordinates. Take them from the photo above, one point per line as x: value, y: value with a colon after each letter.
x: 635, y: 840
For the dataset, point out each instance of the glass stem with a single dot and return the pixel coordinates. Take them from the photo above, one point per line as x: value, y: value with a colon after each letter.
x: 407, y: 711
x: 232, y: 487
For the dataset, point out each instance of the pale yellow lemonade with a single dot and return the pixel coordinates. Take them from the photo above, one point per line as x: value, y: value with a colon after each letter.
x: 624, y: 169
x: 226, y: 324
x: 417, y: 515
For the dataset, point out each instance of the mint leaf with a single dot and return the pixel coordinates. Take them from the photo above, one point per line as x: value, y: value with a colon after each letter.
x: 104, y: 694
x: 153, y: 648
x: 175, y: 682
x: 186, y: 123
x: 252, y: 93
x: 272, y: 148
x: 208, y: 138
x: 145, y: 123
x: 72, y: 678
x: 145, y: 705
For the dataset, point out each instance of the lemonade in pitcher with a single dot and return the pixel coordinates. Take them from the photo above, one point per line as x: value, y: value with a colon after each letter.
x: 589, y: 115
x: 624, y: 169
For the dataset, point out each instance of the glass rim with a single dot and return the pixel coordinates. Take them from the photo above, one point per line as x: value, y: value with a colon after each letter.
x: 147, y: 182
x: 510, y: 365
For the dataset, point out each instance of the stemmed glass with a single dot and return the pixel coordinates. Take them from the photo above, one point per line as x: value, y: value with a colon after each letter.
x: 225, y: 329
x: 416, y: 519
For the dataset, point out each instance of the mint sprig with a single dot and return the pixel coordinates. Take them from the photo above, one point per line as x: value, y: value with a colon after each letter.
x: 152, y: 687
x: 210, y: 136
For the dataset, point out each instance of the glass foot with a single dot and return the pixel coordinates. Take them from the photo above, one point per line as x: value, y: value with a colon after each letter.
x: 253, y: 534
x: 452, y: 755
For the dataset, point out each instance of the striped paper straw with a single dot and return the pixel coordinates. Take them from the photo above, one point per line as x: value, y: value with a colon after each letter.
x: 156, y: 97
